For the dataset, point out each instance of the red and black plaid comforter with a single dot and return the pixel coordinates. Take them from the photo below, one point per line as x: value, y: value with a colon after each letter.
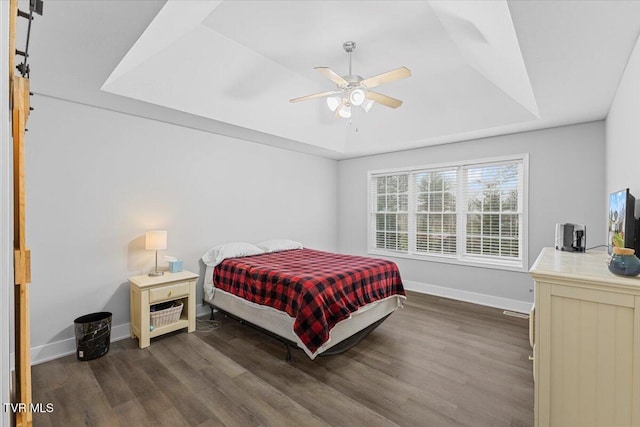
x: 318, y: 289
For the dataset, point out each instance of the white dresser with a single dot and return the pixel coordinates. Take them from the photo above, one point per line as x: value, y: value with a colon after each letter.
x: 586, y: 342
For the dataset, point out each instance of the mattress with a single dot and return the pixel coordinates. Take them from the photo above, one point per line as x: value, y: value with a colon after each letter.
x: 316, y: 289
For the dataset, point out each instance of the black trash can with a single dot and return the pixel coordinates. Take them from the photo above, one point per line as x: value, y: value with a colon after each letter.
x: 93, y: 335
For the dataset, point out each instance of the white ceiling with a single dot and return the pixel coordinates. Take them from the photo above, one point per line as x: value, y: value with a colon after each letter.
x: 479, y: 68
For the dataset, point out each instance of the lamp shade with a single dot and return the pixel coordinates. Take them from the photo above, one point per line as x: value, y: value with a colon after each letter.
x: 155, y: 240
x: 357, y: 97
x: 333, y: 102
x: 366, y: 105
x: 345, y: 111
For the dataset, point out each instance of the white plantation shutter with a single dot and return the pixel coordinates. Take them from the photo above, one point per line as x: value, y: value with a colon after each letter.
x: 492, y: 206
x: 469, y: 213
x: 434, y: 211
x: 388, y: 205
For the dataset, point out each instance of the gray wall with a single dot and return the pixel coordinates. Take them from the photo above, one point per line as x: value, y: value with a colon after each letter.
x: 623, y: 132
x: 566, y: 184
x: 97, y: 180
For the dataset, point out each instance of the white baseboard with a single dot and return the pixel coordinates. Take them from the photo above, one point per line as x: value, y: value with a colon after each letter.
x: 473, y: 297
x: 55, y: 350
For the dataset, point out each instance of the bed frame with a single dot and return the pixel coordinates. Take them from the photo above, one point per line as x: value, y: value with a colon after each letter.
x: 279, y: 325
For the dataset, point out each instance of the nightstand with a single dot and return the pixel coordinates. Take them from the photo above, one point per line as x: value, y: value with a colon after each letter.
x: 146, y: 291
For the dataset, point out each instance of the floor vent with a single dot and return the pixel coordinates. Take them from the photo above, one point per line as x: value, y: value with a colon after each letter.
x: 515, y: 314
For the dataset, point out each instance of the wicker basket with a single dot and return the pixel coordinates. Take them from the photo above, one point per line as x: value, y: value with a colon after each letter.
x: 166, y: 316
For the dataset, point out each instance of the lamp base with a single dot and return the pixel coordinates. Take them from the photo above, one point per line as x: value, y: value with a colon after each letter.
x: 156, y: 273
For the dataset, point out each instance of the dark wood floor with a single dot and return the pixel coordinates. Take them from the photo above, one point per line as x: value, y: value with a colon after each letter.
x: 435, y: 362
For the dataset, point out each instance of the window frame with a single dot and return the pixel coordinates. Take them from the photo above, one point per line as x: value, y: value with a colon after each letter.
x: 460, y: 258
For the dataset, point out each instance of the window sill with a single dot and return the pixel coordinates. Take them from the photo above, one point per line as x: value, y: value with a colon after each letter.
x: 518, y: 266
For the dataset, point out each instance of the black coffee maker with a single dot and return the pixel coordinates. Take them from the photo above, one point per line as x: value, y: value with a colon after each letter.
x: 571, y: 237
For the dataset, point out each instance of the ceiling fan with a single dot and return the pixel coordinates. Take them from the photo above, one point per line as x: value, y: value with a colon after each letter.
x: 353, y: 90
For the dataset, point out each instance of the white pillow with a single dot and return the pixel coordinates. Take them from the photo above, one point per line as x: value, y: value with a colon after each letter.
x: 217, y: 254
x: 276, y: 245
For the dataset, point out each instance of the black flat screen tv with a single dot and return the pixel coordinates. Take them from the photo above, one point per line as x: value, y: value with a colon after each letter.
x: 622, y: 222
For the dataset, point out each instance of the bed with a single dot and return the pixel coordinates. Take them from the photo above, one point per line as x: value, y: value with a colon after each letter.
x: 319, y: 301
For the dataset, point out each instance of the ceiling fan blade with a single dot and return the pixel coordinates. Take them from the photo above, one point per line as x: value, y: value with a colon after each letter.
x: 332, y: 75
x: 389, y: 76
x: 385, y: 100
x: 315, y: 95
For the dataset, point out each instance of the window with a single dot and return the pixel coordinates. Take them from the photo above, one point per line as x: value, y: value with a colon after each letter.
x: 391, y: 212
x: 469, y: 213
x: 493, y: 214
x: 435, y: 212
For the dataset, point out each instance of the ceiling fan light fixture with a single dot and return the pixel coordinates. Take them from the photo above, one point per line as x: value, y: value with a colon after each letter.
x: 333, y: 102
x: 367, y: 104
x: 357, y: 97
x: 345, y: 111
x: 354, y: 90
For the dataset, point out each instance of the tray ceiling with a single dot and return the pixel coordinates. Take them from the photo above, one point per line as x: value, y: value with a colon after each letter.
x: 478, y: 68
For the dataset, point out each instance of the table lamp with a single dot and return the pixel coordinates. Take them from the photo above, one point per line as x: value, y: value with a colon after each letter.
x: 155, y: 240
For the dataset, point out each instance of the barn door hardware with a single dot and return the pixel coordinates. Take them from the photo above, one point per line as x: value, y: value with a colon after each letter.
x: 35, y: 6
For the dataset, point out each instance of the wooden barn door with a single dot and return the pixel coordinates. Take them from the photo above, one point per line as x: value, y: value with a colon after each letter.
x: 19, y: 101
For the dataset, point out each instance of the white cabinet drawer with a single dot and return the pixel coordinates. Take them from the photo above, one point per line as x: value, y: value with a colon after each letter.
x: 169, y: 292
